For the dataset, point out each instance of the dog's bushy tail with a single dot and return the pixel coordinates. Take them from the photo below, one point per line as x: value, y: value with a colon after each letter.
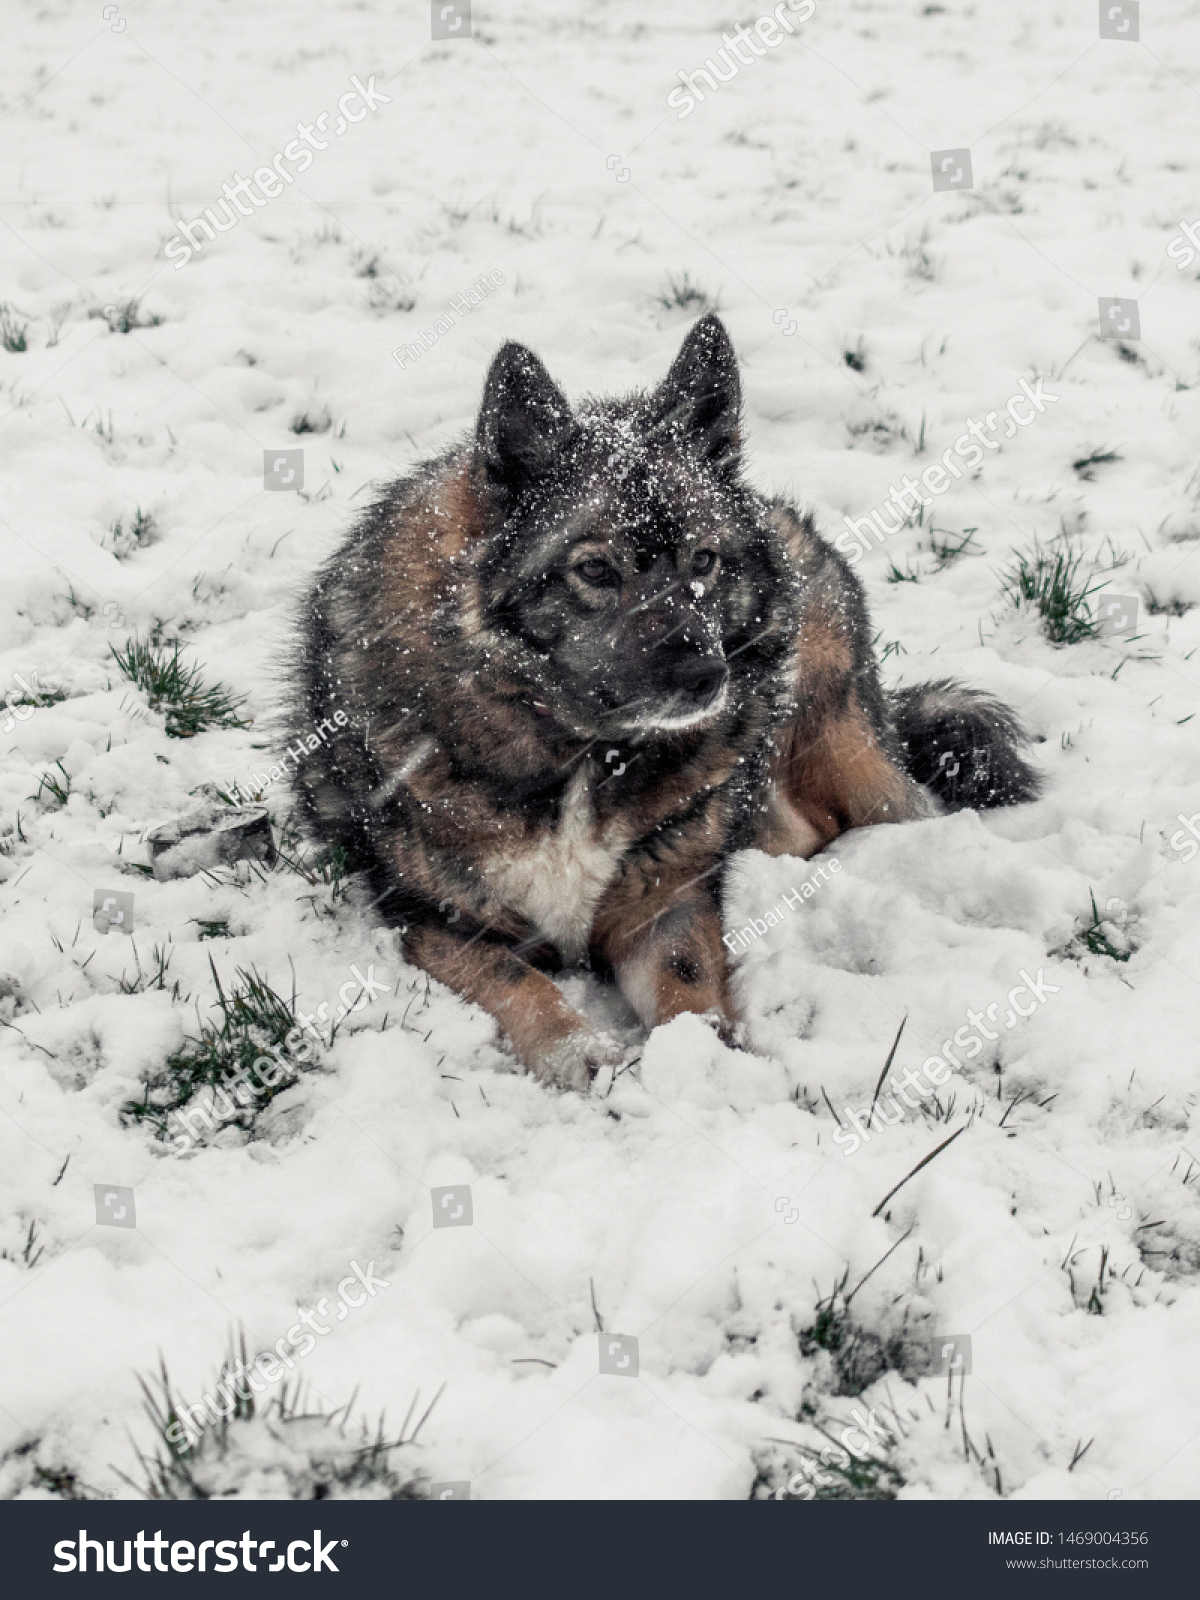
x: 963, y: 745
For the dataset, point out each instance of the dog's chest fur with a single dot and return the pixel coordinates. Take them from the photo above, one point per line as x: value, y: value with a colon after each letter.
x: 557, y: 884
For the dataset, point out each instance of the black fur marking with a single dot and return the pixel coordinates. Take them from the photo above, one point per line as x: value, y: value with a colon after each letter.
x: 525, y: 420
x: 701, y: 398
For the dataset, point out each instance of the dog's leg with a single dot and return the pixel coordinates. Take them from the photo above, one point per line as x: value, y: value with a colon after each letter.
x: 836, y: 763
x: 833, y: 773
x: 663, y: 942
x: 557, y: 1045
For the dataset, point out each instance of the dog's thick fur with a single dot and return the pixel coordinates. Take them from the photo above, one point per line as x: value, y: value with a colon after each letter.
x: 581, y: 663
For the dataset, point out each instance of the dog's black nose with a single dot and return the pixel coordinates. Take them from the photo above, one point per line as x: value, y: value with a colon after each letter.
x: 702, y: 676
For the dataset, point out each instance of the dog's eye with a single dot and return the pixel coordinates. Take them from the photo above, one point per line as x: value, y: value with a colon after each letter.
x: 596, y: 572
x: 703, y: 562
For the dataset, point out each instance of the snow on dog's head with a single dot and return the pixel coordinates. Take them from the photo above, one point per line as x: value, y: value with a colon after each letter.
x: 626, y: 567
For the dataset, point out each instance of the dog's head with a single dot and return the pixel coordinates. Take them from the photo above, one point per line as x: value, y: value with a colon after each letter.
x: 627, y: 568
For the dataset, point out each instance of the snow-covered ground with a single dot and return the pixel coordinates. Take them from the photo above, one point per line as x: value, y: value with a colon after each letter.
x: 698, y: 1204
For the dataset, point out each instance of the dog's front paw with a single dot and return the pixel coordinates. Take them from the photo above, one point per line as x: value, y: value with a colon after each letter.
x: 728, y: 1029
x: 573, y: 1061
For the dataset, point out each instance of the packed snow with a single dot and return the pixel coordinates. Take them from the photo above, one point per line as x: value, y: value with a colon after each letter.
x: 531, y: 182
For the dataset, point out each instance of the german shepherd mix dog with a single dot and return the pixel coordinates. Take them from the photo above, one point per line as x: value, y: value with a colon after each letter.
x: 582, y: 664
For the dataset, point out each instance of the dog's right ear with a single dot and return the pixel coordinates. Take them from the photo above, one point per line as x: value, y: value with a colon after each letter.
x: 524, y: 422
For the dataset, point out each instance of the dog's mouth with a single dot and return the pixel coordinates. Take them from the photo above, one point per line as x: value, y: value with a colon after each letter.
x: 674, y: 711
x: 677, y: 712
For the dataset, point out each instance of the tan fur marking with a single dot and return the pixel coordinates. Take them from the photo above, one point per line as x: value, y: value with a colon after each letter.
x: 784, y: 832
x: 671, y: 923
x: 843, y: 779
x: 425, y: 549
x: 824, y: 648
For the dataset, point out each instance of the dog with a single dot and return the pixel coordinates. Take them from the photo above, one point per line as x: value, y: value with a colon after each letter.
x: 579, y: 664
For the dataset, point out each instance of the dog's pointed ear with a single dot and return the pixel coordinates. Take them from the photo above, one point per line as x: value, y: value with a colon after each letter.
x: 700, y: 399
x: 524, y: 422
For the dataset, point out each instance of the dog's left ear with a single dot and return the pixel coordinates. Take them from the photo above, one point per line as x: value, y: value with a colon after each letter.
x: 701, y: 397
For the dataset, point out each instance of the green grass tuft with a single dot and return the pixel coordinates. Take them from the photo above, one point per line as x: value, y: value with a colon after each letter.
x: 254, y: 1018
x: 38, y: 696
x: 949, y: 549
x: 1056, y: 584
x: 846, y: 1477
x: 306, y: 1452
x: 327, y: 868
x: 30, y: 1252
x: 891, y: 647
x: 895, y: 575
x: 140, y: 531
x: 1097, y: 942
x: 859, y: 1356
x: 55, y: 784
x: 681, y: 294
x: 156, y: 976
x: 125, y: 316
x: 178, y: 690
x: 12, y: 333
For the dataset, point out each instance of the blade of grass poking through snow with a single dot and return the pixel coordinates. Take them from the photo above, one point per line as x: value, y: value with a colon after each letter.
x: 425, y: 1415
x: 190, y: 705
x: 829, y: 1103
x: 923, y: 1163
x: 1018, y: 1099
x: 886, y: 1067
x: 846, y: 1299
